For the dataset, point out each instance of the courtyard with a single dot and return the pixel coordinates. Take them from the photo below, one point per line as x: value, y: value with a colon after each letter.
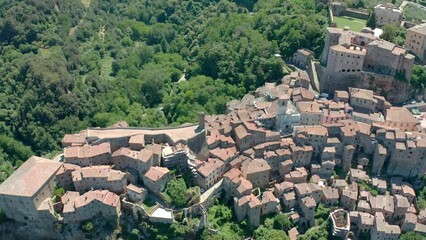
x: 355, y: 24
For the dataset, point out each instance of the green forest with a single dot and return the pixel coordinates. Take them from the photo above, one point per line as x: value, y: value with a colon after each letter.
x: 66, y: 65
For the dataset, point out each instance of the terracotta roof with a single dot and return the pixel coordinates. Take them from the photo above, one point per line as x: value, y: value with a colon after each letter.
x: 309, y: 202
x: 361, y: 93
x: 268, y: 196
x: 99, y: 171
x: 145, y: 155
x: 231, y: 174
x: 103, y: 196
x: 254, y: 201
x: 400, y: 115
x: 342, y: 94
x: 292, y: 233
x: 79, y: 138
x: 210, y: 166
x: 155, y: 173
x: 245, y: 185
x: 308, y: 107
x: 313, y: 130
x: 30, y: 177
x: 137, y: 139
x: 87, y: 151
x: 254, y: 166
x: 135, y: 188
x: 68, y: 167
x: 421, y: 28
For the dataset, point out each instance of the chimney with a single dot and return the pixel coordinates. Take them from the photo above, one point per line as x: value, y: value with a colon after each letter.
x: 201, y: 120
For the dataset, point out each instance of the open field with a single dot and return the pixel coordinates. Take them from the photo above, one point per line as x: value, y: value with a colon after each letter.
x: 414, y: 13
x: 355, y: 24
x: 371, y: 3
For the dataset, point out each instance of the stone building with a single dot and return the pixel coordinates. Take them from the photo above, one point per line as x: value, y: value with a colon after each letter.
x: 136, y: 162
x: 64, y: 175
x: 88, y: 155
x: 287, y: 116
x: 383, y: 230
x: 379, y: 158
x: 91, y: 204
x: 26, y: 195
x: 398, y: 62
x: 343, y: 59
x: 387, y: 14
x: 302, y: 58
x: 310, y: 113
x: 156, y: 179
x: 308, y: 205
x: 269, y: 203
x: 71, y: 140
x: 349, y: 53
x: 210, y: 172
x: 175, y: 156
x: 136, y: 193
x: 99, y: 178
x: 257, y: 171
x: 248, y: 206
x: 415, y: 41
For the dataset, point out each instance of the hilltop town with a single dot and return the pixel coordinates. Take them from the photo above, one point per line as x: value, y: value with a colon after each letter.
x: 284, y: 148
x: 332, y: 134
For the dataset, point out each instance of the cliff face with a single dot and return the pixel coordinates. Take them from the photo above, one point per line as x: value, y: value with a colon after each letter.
x: 395, y: 91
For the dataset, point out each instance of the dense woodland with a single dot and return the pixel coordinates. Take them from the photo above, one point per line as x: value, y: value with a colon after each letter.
x: 66, y: 66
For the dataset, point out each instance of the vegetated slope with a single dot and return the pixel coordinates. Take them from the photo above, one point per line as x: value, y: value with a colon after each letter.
x: 124, y: 58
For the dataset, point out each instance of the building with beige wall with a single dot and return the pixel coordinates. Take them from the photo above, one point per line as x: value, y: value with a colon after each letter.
x: 269, y: 203
x: 308, y: 205
x: 156, y: 179
x: 310, y: 112
x: 175, y: 156
x: 88, y: 155
x: 389, y: 59
x: 401, y: 118
x: 137, y: 162
x: 25, y: 196
x: 136, y: 193
x: 343, y: 59
x: 89, y: 205
x: 387, y: 14
x: 362, y: 99
x: 383, y: 230
x: 302, y: 58
x: 78, y: 139
x: 248, y: 206
x: 210, y: 172
x: 257, y: 171
x: 415, y: 41
x: 315, y: 136
x: 99, y: 178
x: 354, y: 53
x: 64, y: 175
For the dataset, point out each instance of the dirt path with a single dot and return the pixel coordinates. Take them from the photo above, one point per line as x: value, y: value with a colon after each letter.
x: 86, y: 3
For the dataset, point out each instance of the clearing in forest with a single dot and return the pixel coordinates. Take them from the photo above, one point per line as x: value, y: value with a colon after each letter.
x: 354, y: 24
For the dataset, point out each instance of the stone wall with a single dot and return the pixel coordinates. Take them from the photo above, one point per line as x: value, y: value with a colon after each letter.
x: 197, y: 142
x: 395, y: 91
x: 356, y: 14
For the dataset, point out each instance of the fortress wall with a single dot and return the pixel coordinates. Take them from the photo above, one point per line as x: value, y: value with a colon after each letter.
x: 356, y: 14
x: 395, y: 91
x: 197, y: 142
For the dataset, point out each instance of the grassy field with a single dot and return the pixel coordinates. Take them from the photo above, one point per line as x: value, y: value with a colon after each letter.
x: 355, y: 24
x: 106, y: 68
x: 369, y: 4
x: 414, y: 13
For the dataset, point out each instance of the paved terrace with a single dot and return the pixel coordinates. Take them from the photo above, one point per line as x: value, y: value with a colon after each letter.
x: 176, y: 134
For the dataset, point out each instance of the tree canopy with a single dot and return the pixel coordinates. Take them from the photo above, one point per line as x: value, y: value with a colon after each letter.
x: 66, y: 66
